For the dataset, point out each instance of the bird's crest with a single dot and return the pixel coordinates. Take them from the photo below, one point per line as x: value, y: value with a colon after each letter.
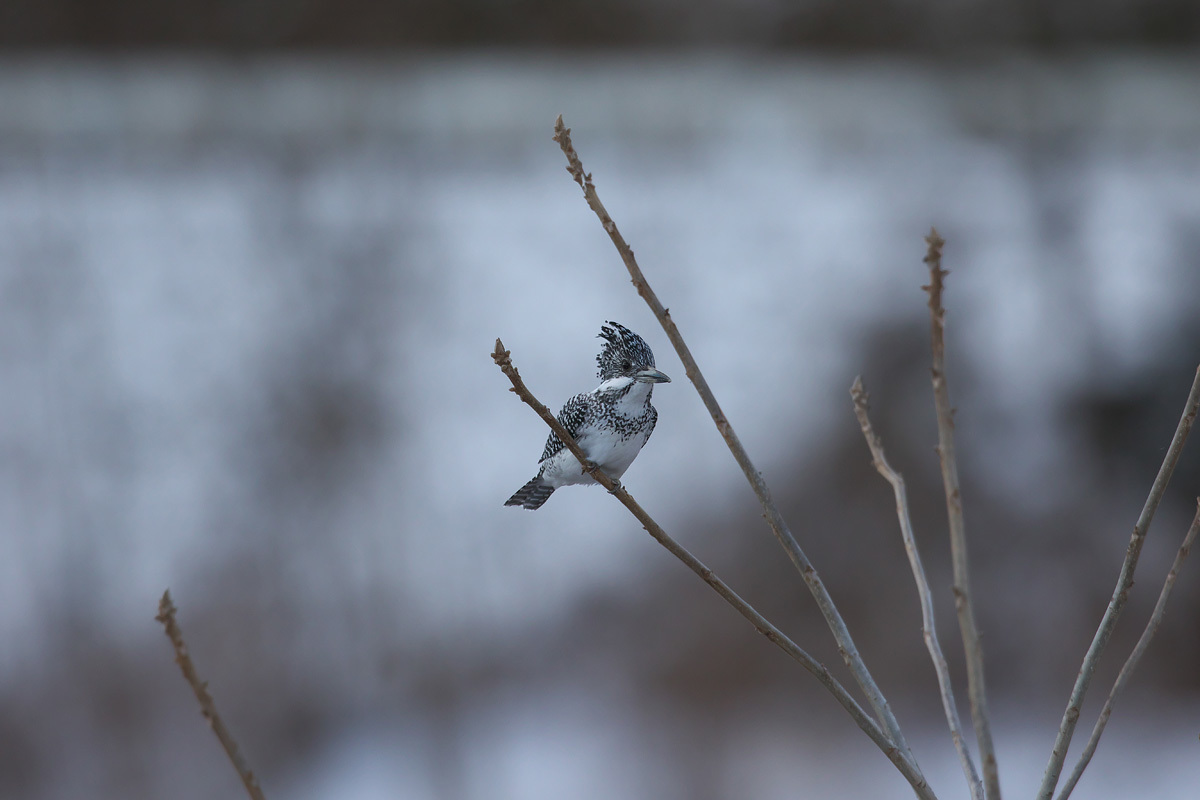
x: 624, y: 352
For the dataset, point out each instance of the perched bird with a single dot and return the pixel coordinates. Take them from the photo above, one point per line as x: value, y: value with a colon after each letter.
x: 610, y: 423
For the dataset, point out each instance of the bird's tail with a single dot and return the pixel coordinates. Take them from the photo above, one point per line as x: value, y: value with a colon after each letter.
x: 531, y: 495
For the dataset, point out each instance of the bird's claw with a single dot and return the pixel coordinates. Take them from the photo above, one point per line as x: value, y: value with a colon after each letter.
x: 591, y: 468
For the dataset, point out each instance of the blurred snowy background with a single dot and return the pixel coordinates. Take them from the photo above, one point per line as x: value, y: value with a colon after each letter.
x: 247, y: 299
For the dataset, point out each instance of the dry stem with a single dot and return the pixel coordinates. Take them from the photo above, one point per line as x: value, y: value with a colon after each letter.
x: 879, y: 459
x: 976, y: 688
x: 1134, y: 657
x: 783, y: 534
x: 1120, y: 595
x: 166, y: 615
x: 903, y: 763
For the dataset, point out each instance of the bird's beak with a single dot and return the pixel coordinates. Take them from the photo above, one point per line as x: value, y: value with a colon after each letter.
x: 652, y: 376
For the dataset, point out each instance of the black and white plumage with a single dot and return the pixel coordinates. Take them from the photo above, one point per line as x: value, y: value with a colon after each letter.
x: 611, y: 423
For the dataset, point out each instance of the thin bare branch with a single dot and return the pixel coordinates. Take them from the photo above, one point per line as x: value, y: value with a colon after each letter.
x: 1138, y: 651
x: 906, y: 767
x: 879, y: 459
x: 783, y: 534
x: 976, y: 687
x: 166, y: 615
x: 1120, y: 594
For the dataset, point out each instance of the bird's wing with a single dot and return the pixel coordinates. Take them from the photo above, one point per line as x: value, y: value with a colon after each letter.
x: 653, y: 422
x: 571, y: 417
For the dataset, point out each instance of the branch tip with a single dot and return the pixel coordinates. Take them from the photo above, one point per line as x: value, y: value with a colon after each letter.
x: 859, y: 393
x: 208, y: 708
x: 503, y: 358
x: 166, y: 609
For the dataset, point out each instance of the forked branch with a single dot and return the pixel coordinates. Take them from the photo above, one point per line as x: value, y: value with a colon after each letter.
x: 783, y: 534
x: 929, y: 625
x: 1120, y: 594
x: 1131, y: 663
x: 976, y: 688
x: 907, y: 768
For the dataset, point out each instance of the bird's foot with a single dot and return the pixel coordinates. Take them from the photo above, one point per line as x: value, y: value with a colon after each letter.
x: 591, y: 468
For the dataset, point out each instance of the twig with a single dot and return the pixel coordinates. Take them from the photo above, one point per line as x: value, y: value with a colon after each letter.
x: 973, y: 647
x: 1132, y: 662
x: 1120, y: 594
x: 907, y: 768
x: 879, y: 459
x: 166, y: 615
x: 783, y: 534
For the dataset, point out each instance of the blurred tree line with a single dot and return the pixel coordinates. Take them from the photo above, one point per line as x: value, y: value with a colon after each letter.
x: 826, y: 24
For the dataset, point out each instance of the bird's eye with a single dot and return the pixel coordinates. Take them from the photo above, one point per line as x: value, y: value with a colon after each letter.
x: 626, y: 366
